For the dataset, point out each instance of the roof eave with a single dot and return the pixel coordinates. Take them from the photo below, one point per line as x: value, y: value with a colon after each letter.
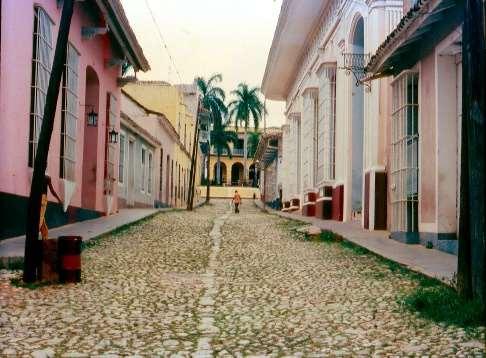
x: 122, y: 31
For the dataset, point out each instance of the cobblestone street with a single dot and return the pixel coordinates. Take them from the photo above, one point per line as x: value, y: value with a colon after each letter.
x: 212, y: 283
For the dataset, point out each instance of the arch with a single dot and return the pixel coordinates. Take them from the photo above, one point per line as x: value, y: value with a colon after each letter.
x: 237, y: 173
x: 221, y: 178
x: 90, y: 144
x: 357, y: 124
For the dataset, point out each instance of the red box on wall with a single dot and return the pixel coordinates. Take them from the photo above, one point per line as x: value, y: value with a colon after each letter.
x: 309, y: 209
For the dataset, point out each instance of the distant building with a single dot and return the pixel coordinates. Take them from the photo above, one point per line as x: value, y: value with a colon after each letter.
x: 172, y: 113
x: 232, y: 169
x: 268, y: 158
x: 82, y: 158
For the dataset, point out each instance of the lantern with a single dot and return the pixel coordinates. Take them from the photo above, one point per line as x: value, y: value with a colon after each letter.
x: 92, y: 119
x: 113, y: 136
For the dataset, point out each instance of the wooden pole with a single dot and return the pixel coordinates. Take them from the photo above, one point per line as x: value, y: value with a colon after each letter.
x: 190, y: 202
x: 208, y: 168
x: 472, y: 227
x: 32, y: 254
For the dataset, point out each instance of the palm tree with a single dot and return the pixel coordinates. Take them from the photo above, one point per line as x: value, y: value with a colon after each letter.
x: 253, y: 141
x: 213, y: 101
x: 246, y: 105
x: 220, y: 139
x: 213, y: 97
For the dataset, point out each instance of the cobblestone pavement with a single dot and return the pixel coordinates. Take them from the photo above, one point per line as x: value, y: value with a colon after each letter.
x: 211, y: 283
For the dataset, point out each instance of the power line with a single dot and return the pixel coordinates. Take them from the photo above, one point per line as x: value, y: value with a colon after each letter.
x: 161, y: 37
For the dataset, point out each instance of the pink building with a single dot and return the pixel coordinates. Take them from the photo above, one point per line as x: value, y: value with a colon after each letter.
x: 423, y: 56
x: 82, y: 159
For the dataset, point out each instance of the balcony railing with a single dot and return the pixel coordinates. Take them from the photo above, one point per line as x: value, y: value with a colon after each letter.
x: 356, y: 63
x: 238, y: 151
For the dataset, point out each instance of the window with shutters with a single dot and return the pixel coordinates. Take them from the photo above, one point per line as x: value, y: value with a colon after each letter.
x: 41, y: 71
x: 110, y: 147
x: 69, y: 115
x: 143, y: 159
x: 149, y: 172
x: 121, y: 163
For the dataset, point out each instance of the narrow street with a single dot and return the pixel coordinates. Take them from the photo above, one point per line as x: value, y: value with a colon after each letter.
x: 212, y: 283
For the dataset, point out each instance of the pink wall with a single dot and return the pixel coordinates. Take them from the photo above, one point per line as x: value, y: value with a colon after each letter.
x: 17, y: 28
x: 427, y: 139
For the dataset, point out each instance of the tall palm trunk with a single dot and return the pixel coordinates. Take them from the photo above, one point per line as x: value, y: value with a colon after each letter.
x: 245, y: 155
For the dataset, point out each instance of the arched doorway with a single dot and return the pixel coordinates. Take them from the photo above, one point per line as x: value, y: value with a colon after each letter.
x: 357, y: 124
x: 90, y: 145
x: 253, y: 175
x: 221, y: 178
x: 237, y: 174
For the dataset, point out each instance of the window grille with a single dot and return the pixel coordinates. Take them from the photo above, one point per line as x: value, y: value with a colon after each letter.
x: 149, y: 174
x: 404, y: 163
x: 41, y: 71
x: 308, y: 124
x: 326, y: 125
x: 121, y: 163
x: 69, y: 114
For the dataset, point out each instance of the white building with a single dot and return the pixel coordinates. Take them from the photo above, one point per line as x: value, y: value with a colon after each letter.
x: 334, y: 140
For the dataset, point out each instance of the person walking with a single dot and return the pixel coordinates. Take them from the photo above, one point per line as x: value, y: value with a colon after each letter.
x: 236, y: 201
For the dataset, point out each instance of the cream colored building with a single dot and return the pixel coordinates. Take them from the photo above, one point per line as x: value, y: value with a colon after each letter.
x: 178, y: 105
x: 334, y: 138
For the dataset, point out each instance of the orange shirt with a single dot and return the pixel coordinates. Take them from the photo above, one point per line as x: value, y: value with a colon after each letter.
x: 237, y: 198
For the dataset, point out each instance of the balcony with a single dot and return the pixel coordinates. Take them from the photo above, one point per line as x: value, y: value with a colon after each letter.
x: 356, y: 63
x: 238, y: 151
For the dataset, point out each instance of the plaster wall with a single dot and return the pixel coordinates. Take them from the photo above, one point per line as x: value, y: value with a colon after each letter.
x: 15, y: 82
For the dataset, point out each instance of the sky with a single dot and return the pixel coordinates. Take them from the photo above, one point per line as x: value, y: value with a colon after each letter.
x: 204, y: 37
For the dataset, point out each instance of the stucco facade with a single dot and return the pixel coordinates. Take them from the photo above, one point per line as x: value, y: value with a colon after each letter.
x: 334, y: 140
x: 178, y: 106
x: 232, y: 169
x: 89, y: 184
x: 428, y: 84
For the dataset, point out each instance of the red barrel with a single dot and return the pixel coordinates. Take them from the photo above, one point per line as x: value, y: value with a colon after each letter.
x: 69, y: 250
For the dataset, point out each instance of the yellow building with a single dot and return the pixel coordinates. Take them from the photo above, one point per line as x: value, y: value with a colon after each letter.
x: 232, y: 169
x: 179, y: 104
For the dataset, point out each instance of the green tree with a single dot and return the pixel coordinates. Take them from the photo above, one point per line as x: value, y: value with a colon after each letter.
x: 213, y: 97
x: 246, y: 106
x: 253, y: 140
x: 212, y: 100
x: 221, y: 137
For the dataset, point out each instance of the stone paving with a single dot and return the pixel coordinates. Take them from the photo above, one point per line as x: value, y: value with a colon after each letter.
x: 215, y: 284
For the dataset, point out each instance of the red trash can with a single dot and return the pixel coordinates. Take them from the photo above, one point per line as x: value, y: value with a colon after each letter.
x: 69, y: 251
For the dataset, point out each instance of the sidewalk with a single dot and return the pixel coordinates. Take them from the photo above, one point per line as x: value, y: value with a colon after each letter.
x: 14, y: 247
x: 430, y: 262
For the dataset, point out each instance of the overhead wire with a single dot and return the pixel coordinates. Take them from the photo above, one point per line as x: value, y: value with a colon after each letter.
x: 162, y: 40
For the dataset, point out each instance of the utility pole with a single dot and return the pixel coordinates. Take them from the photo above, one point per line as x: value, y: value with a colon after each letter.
x: 472, y: 225
x: 192, y: 174
x: 32, y: 255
